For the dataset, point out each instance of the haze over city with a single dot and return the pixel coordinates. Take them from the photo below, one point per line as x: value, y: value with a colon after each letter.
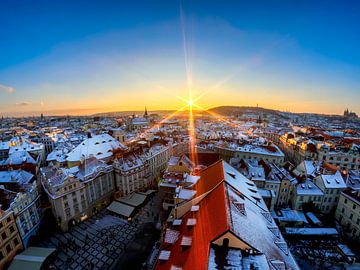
x: 86, y: 57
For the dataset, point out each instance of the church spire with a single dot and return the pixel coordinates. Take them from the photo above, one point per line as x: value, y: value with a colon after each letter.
x: 146, y: 112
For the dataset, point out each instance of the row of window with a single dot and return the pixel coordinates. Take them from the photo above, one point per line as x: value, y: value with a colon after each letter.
x: 326, y: 199
x: 2, y: 224
x: 311, y: 198
x: 354, y: 231
x: 351, y: 216
x: 332, y: 191
x: 9, y: 247
x: 340, y: 158
x: 354, y: 205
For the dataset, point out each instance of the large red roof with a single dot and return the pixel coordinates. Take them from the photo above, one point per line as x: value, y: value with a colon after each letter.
x: 211, y: 221
x: 210, y: 178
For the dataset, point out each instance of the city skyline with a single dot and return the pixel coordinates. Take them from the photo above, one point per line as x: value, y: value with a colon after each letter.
x: 85, y: 58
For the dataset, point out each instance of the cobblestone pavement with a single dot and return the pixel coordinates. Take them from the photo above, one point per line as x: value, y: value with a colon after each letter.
x: 100, y: 241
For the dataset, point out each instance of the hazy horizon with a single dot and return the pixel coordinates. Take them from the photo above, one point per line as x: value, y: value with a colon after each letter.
x: 92, y: 112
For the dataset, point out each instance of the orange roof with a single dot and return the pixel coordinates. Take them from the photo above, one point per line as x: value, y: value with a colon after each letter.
x: 217, y: 215
x: 210, y: 178
x: 211, y: 221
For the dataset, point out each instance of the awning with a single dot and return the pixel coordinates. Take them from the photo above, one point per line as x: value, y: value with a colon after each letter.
x: 31, y: 258
x: 121, y: 209
x: 135, y: 199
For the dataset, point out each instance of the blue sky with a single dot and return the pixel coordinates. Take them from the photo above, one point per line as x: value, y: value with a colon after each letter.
x: 89, y: 56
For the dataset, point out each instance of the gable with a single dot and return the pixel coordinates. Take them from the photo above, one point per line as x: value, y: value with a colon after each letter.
x: 234, y: 241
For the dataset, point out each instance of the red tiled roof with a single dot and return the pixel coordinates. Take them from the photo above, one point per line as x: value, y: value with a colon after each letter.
x: 220, y: 211
x: 210, y: 178
x: 211, y: 221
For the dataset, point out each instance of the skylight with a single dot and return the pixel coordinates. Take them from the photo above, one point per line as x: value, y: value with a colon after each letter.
x: 164, y: 255
x: 191, y: 222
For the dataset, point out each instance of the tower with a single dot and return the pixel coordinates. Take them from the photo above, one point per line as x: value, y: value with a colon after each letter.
x: 146, y: 113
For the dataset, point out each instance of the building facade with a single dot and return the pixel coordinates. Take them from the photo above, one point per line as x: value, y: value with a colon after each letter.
x: 348, y: 212
x: 131, y: 175
x: 28, y: 213
x: 77, y: 193
x: 10, y: 242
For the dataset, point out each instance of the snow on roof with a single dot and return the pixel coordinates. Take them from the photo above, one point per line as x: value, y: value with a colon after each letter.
x: 242, y: 184
x: 289, y: 215
x: 310, y: 168
x: 333, y: 180
x: 221, y: 210
x: 91, y: 167
x: 27, y: 146
x: 353, y: 180
x: 313, y: 218
x: 308, y: 188
x: 177, y: 222
x: 346, y: 250
x: 256, y: 173
x: 19, y: 176
x: 248, y: 148
x: 4, y: 146
x: 236, y: 260
x: 18, y: 158
x: 58, y: 155
x: 173, y: 161
x: 265, y: 193
x: 164, y: 255
x: 127, y: 164
x: 99, y: 146
x: 192, y: 179
x: 311, y: 231
x: 139, y: 121
x: 171, y: 236
x: 253, y: 228
x: 195, y: 208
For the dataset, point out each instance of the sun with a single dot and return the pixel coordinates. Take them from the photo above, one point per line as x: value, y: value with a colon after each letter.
x: 190, y: 102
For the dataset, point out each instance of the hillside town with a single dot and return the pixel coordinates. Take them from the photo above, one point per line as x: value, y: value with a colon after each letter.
x: 267, y: 190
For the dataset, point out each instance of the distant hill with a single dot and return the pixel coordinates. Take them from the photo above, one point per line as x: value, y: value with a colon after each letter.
x: 122, y: 113
x: 222, y: 110
x: 239, y: 110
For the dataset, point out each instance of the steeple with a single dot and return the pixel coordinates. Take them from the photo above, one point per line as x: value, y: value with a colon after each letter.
x: 146, y: 112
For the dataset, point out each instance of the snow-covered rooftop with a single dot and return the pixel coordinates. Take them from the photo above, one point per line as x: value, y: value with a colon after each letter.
x: 332, y: 181
x: 308, y: 188
x: 19, y: 176
x: 100, y: 146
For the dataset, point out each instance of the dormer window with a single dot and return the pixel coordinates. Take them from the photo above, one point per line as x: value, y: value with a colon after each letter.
x: 164, y: 255
x: 278, y: 265
x: 191, y: 222
x: 195, y: 208
x: 283, y: 246
x: 241, y: 207
x: 186, y: 241
x: 177, y: 222
x: 275, y: 231
x: 173, y: 267
x: 267, y: 215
